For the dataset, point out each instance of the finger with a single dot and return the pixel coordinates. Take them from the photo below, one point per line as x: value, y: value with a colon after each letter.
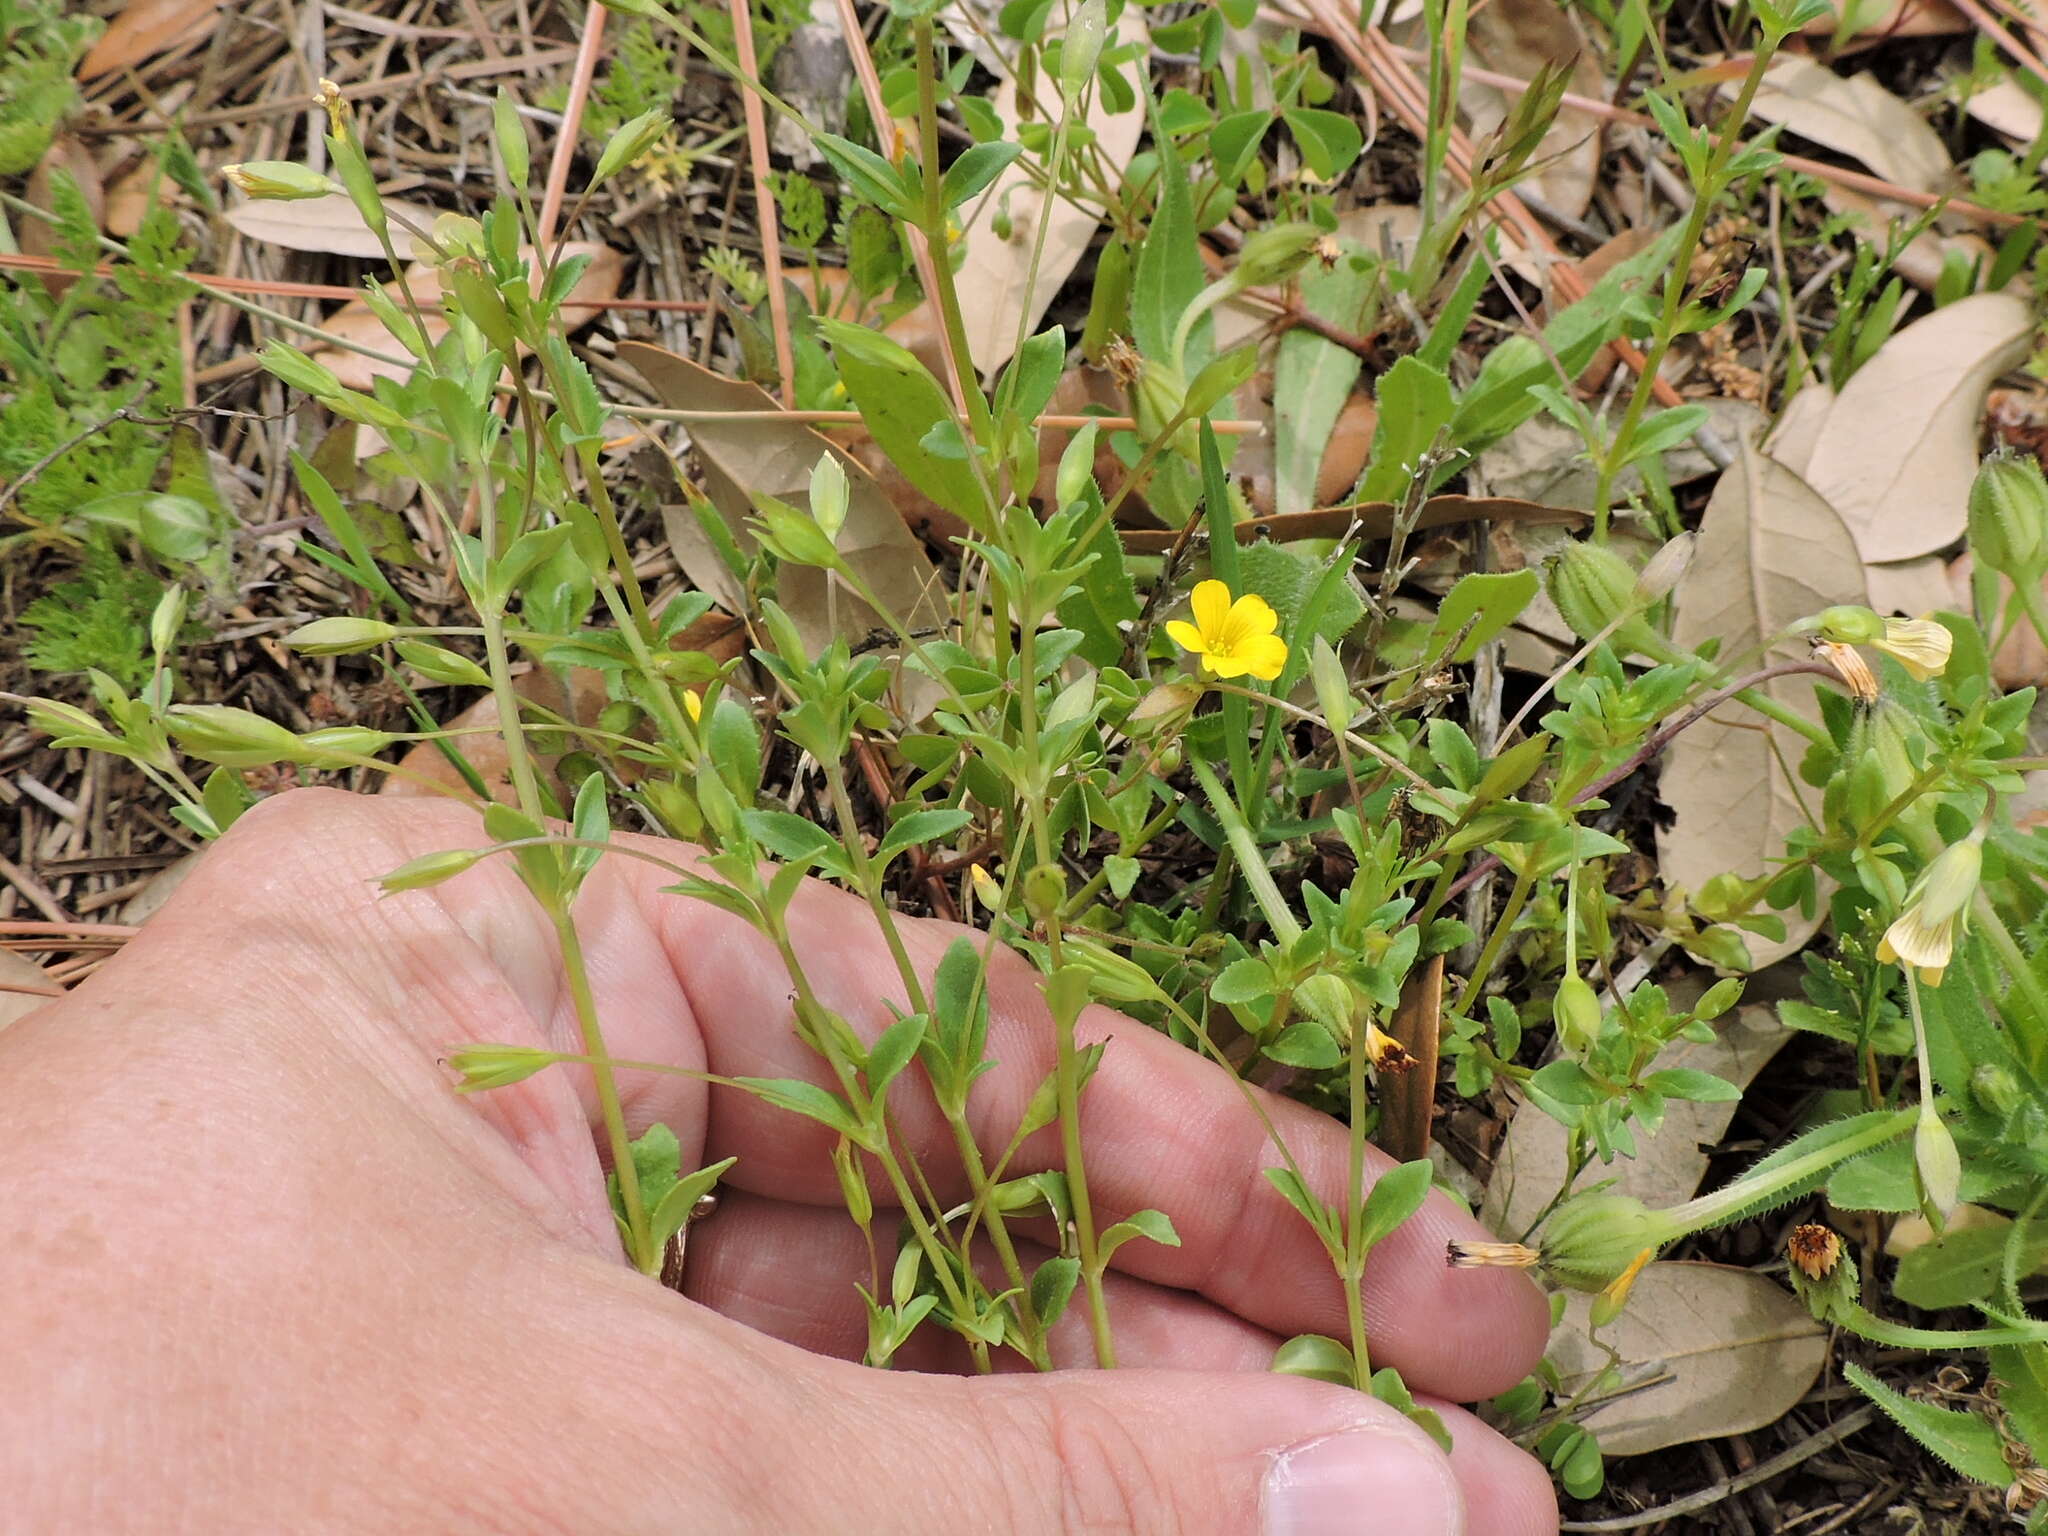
x: 790, y: 1270
x: 1161, y: 1128
x: 1187, y: 1453
x: 1507, y: 1492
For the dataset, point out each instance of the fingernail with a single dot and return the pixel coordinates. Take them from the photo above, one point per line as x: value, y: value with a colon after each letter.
x: 1362, y: 1482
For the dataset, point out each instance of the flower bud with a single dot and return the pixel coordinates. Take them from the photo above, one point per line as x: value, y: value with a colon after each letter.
x: 631, y: 141
x: 233, y: 738
x: 68, y: 725
x: 1595, y: 593
x: 1045, y: 891
x: 2009, y: 517
x: 341, y: 746
x: 1112, y: 977
x: 438, y: 664
x: 339, y: 636
x: 1167, y: 705
x: 1275, y: 254
x: 1077, y: 466
x: 496, y: 1066
x: 1081, y: 49
x: 1846, y: 624
x: 278, y: 180
x: 292, y: 367
x: 1937, y: 1163
x: 1331, y: 1001
x: 1994, y: 1087
x: 167, y: 619
x: 430, y: 869
x: 829, y: 495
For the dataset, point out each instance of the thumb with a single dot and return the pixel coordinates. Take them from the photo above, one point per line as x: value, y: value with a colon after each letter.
x: 1137, y: 1451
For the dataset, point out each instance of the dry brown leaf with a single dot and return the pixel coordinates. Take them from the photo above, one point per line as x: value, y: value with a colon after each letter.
x: 1520, y: 38
x: 1531, y: 1164
x: 741, y: 458
x: 1728, y: 1351
x: 1372, y: 518
x: 1770, y: 551
x: 1798, y: 429
x: 2007, y: 108
x: 20, y: 971
x: 69, y: 155
x: 356, y: 322
x: 993, y: 269
x: 145, y: 29
x: 1854, y: 116
x: 329, y: 224
x: 1898, y: 452
x: 1910, y: 588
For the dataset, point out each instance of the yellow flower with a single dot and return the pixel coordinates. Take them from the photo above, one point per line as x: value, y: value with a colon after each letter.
x: 1921, y: 646
x: 1233, y: 639
x: 1924, y: 936
x: 693, y: 704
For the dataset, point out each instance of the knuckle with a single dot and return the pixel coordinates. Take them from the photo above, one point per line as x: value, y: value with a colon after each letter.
x: 1092, y: 1473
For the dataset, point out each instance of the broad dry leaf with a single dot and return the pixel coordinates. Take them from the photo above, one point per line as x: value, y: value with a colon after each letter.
x: 2007, y: 108
x: 70, y: 156
x: 1770, y: 551
x: 1530, y: 1166
x: 330, y: 224
x: 1854, y: 116
x: 1910, y: 588
x: 774, y: 457
x: 159, y: 889
x: 356, y: 322
x: 144, y: 29
x: 20, y: 972
x: 1798, y: 429
x: 1520, y: 38
x: 994, y: 267
x: 1726, y: 1349
x: 1898, y: 452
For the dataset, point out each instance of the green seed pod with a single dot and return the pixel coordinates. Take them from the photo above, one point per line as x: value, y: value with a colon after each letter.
x: 1273, y: 255
x: 1994, y: 1087
x: 339, y: 636
x: 1594, y: 588
x: 438, y: 664
x: 1112, y: 977
x: 430, y: 869
x: 2009, y: 517
x: 1594, y: 1237
x: 1330, y: 1001
x: 1045, y: 891
x: 1575, y: 1010
x: 1846, y: 624
x: 277, y: 180
x: 233, y: 738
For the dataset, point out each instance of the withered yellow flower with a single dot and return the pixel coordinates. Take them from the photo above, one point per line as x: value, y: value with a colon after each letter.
x: 1921, y: 646
x: 1232, y: 638
x: 1923, y: 937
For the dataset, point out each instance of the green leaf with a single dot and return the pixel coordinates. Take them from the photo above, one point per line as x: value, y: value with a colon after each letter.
x: 1488, y: 601
x: 1235, y: 140
x: 1243, y: 981
x: 1963, y: 1265
x: 1285, y: 578
x: 920, y: 827
x: 1566, y: 1082
x: 891, y: 1053
x: 656, y: 1158
x: 1390, y: 1389
x: 1690, y: 1083
x: 1220, y: 378
x: 1316, y: 1357
x: 1415, y: 404
x: 866, y: 172
x: 1315, y: 377
x: 1666, y: 430
x: 1103, y: 600
x: 1154, y: 1226
x: 1305, y: 1044
x: 1395, y: 1196
x: 791, y: 838
x: 1329, y: 141
x: 975, y: 169
x: 1319, y: 1216
x: 1169, y: 271
x: 1052, y: 1285
x: 1969, y: 1444
x: 900, y: 403
x: 672, y: 1213
x: 810, y: 1101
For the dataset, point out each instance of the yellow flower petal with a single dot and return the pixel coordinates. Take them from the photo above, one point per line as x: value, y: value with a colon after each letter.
x: 1926, y: 946
x: 1211, y: 603
x: 1921, y: 646
x: 1224, y: 664
x: 1185, y: 635
x: 1251, y: 615
x: 1263, y: 656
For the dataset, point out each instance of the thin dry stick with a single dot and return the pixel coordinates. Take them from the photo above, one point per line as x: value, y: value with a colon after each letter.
x: 572, y: 121
x: 764, y: 200
x: 2020, y: 52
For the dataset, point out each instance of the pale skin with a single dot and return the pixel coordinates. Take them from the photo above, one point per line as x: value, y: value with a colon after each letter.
x: 265, y: 1270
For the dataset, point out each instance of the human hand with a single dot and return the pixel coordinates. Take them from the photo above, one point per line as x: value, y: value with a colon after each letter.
x: 267, y: 1271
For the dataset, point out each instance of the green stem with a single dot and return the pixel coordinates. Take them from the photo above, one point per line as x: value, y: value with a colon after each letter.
x: 1518, y: 898
x: 1249, y: 862
x: 2021, y: 971
x: 1353, y: 1268
x: 645, y: 1255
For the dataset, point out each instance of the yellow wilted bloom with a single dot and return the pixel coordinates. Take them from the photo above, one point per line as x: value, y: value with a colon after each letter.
x: 1921, y: 646
x: 693, y: 705
x: 1924, y: 936
x: 1232, y: 638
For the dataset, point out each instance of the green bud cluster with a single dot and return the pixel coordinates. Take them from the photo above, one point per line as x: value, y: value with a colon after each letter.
x: 2009, y: 517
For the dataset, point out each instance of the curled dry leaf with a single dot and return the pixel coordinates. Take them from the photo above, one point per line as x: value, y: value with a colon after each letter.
x: 741, y: 458
x: 1854, y: 116
x: 328, y: 224
x: 144, y: 29
x: 995, y: 267
x: 1896, y: 455
x: 1771, y: 551
x: 1520, y: 38
x: 1725, y: 1350
x: 356, y: 322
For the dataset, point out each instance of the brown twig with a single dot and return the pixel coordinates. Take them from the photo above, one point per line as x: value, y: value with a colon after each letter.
x: 766, y: 223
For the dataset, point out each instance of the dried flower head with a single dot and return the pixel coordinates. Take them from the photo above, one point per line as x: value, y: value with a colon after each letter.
x: 1387, y: 1054
x: 1491, y: 1256
x: 1850, y: 666
x: 1815, y: 1249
